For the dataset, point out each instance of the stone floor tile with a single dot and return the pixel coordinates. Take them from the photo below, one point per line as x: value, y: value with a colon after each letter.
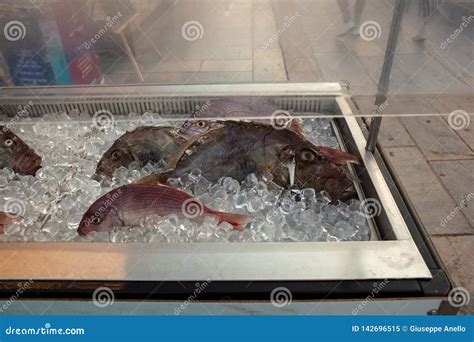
x: 426, y: 192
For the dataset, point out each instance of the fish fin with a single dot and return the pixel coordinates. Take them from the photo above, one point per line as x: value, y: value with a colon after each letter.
x: 179, y: 153
x: 153, y: 179
x: 236, y: 220
x: 173, y: 162
x: 296, y: 127
x: 340, y: 157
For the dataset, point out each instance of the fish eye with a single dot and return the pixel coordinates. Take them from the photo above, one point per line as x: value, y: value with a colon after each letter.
x: 8, y: 142
x: 307, y: 155
x: 201, y: 124
x: 96, y: 220
x: 115, y: 155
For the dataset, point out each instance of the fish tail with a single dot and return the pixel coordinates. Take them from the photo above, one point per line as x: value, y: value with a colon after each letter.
x: 236, y: 220
x: 340, y: 157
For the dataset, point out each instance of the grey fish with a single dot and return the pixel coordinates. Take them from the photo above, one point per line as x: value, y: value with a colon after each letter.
x: 238, y: 148
x: 144, y: 144
x: 16, y: 154
x: 257, y: 108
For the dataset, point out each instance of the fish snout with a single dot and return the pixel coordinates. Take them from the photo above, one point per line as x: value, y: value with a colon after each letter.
x: 85, y: 228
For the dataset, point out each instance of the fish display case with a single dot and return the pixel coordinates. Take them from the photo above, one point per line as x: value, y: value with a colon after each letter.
x: 388, y: 263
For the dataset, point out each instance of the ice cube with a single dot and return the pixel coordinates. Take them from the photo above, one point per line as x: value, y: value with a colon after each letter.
x: 231, y: 185
x: 287, y: 204
x: 275, y: 217
x: 195, y: 175
x: 3, y: 182
x: 168, y: 229
x: 323, y: 197
x: 240, y: 200
x: 201, y: 187
x: 121, y: 173
x: 173, y: 182
x: 308, y: 194
x: 261, y: 188
x: 251, y: 181
x: 270, y: 199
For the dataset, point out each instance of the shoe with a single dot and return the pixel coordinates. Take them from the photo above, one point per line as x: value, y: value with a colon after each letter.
x: 355, y: 31
x: 347, y: 28
x: 418, y: 38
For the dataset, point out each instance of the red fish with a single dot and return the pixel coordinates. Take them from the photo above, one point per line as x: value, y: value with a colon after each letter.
x: 235, y: 108
x: 6, y: 218
x: 16, y: 154
x: 127, y: 205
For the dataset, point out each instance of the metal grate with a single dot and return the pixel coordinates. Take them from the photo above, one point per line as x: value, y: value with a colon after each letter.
x: 168, y: 105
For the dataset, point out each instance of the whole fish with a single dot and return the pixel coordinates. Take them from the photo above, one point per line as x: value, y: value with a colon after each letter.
x: 238, y: 148
x: 142, y: 145
x: 257, y: 108
x: 16, y: 154
x: 126, y: 206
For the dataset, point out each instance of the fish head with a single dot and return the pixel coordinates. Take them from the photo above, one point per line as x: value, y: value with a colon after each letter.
x: 16, y: 154
x: 102, y: 215
x: 195, y: 127
x: 315, y: 170
x: 116, y: 156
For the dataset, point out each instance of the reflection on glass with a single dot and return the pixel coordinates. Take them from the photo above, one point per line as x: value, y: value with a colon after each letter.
x: 59, y: 42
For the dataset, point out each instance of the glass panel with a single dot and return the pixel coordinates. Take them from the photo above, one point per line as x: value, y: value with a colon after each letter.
x: 426, y: 109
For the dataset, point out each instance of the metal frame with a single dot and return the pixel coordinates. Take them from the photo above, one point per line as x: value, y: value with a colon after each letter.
x: 394, y: 259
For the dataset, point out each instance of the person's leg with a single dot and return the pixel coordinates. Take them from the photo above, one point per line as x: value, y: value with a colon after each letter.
x: 346, y: 16
x: 424, y: 13
x: 345, y: 10
x: 359, y: 8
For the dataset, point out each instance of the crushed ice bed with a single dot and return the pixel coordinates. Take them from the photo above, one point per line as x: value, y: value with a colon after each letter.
x: 53, y: 202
